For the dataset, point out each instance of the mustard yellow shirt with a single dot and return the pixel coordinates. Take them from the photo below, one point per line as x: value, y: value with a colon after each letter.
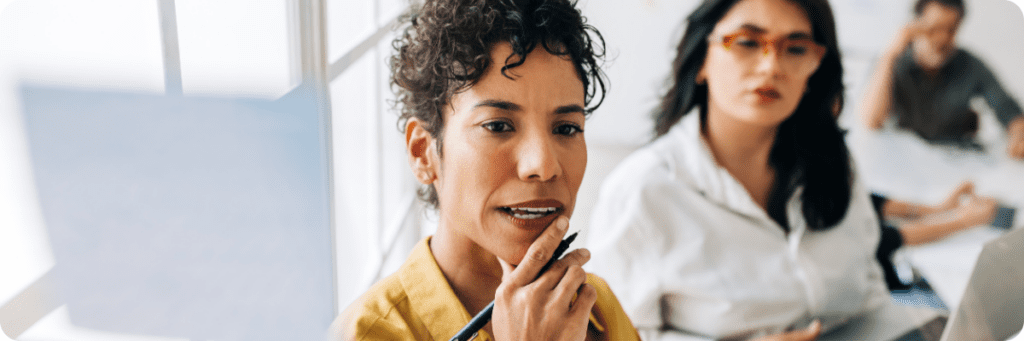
x: 416, y: 303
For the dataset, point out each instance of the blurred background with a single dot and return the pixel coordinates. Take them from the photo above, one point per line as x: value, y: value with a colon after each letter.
x: 232, y: 170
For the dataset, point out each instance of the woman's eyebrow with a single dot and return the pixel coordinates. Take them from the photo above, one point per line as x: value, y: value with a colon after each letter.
x: 512, y: 107
x: 754, y: 28
x: 569, y: 109
x: 499, y: 104
x: 761, y: 30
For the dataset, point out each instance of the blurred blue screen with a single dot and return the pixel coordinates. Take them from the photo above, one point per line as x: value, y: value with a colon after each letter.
x: 204, y: 218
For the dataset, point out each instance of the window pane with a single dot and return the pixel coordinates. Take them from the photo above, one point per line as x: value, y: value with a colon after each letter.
x: 398, y: 190
x: 348, y: 23
x: 390, y: 9
x: 112, y: 44
x: 234, y: 47
x: 354, y: 108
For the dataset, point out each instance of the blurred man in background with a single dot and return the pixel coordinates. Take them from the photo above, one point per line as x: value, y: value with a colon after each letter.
x: 927, y: 82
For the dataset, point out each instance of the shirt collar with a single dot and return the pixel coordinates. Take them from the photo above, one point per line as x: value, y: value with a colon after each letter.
x: 695, y: 163
x: 434, y: 301
x: 430, y: 296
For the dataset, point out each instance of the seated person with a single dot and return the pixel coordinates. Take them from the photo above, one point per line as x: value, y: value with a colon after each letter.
x: 494, y: 96
x: 743, y: 218
x: 927, y: 82
x: 920, y: 224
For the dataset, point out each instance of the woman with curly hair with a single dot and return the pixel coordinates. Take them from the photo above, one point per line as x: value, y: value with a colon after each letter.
x: 494, y: 96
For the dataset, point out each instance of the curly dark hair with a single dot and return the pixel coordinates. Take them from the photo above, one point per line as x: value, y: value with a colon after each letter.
x: 446, y: 48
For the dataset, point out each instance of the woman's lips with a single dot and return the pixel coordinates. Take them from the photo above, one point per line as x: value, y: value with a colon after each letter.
x: 767, y: 95
x: 534, y: 214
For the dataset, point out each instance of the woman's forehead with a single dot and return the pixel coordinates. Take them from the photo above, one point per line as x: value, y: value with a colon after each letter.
x: 772, y: 17
x: 544, y: 82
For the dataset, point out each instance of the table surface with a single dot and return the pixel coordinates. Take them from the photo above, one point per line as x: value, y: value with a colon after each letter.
x: 903, y: 166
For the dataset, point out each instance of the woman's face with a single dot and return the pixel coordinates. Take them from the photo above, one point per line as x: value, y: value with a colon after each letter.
x: 513, y: 153
x: 760, y: 56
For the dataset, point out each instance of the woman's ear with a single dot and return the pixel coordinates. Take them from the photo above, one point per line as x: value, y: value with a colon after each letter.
x: 420, y: 147
x: 701, y: 78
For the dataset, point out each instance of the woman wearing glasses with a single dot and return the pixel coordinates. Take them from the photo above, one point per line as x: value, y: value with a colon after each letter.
x: 743, y: 217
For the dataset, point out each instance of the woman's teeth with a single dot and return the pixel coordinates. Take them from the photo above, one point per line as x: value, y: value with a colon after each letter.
x: 530, y: 212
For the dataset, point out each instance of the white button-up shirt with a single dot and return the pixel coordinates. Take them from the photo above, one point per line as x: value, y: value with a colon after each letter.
x: 690, y: 255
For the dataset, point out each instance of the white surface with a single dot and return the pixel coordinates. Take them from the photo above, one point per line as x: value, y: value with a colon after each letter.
x: 902, y: 166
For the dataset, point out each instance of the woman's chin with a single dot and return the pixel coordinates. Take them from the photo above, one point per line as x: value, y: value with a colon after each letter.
x: 513, y: 258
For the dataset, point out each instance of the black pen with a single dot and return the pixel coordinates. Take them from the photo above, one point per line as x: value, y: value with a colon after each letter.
x: 481, y: 319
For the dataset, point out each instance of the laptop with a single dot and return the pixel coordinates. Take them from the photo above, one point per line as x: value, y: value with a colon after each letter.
x: 992, y: 307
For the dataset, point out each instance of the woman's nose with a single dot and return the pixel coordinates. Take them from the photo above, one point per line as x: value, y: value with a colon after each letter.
x: 770, y: 63
x: 538, y: 159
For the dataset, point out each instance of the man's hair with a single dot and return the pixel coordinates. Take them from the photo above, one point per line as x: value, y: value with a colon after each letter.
x: 958, y: 5
x: 446, y: 48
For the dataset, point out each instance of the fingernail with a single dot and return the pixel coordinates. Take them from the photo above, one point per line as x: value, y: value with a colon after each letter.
x: 585, y: 253
x: 563, y: 223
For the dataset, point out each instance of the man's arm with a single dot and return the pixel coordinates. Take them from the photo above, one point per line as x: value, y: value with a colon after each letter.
x: 878, y: 97
x: 1015, y: 137
x: 1007, y: 110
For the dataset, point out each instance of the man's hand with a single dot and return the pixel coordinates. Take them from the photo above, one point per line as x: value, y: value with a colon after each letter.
x: 903, y: 37
x: 544, y: 309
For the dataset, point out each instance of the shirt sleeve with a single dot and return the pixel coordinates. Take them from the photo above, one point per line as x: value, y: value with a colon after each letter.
x: 900, y: 99
x: 1006, y: 108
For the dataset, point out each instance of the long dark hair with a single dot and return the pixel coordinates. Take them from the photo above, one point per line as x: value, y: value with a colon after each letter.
x: 809, y: 149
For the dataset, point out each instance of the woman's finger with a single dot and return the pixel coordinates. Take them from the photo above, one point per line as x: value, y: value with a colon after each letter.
x: 569, y: 286
x: 554, y: 275
x: 586, y: 297
x: 539, y: 252
x: 809, y: 334
x: 506, y: 268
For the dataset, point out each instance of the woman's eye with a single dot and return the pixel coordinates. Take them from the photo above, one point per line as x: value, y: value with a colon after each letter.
x: 797, y: 50
x: 747, y: 43
x: 498, y: 126
x: 568, y: 129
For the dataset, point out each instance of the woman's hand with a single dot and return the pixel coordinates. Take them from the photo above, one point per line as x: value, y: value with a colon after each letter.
x: 525, y: 309
x: 809, y: 334
x: 976, y: 211
x: 964, y: 190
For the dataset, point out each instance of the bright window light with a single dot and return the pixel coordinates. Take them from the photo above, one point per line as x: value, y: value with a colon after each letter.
x: 348, y: 23
x: 109, y: 44
x: 234, y: 47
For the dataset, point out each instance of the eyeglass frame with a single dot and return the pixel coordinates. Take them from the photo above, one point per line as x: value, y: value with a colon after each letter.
x: 726, y: 41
